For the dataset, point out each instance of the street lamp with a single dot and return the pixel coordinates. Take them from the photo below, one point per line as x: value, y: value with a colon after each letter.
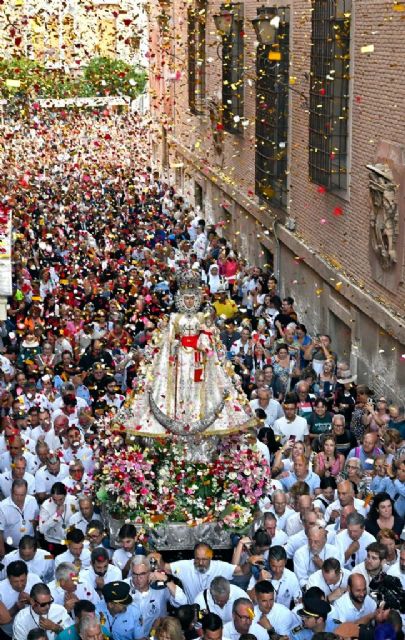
x: 223, y: 22
x: 266, y: 25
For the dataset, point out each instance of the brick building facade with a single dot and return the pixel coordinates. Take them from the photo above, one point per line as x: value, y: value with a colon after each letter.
x: 325, y: 104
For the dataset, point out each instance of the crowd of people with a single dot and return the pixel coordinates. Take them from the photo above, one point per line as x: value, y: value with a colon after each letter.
x: 98, y: 237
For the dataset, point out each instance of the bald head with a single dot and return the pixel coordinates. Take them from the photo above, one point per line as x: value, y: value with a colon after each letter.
x: 345, y: 493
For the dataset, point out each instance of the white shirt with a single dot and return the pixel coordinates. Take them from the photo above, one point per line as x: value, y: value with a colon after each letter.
x: 44, y: 479
x: 52, y: 526
x: 225, y: 612
x: 53, y: 441
x: 42, y: 564
x: 5, y: 462
x: 8, y: 596
x: 298, y: 428
x: 317, y: 580
x: 113, y: 573
x: 6, y: 480
x: 361, y: 568
x: 84, y: 453
x: 194, y: 582
x: 294, y: 524
x: 78, y: 521
x: 303, y: 561
x: 84, y: 486
x: 257, y: 630
x: 152, y: 604
x: 336, y: 506
x: 83, y: 591
x: 295, y: 542
x: 27, y: 619
x: 38, y: 432
x: 121, y: 557
x: 343, y: 541
x: 58, y: 403
x: 285, y: 589
x: 344, y: 610
x: 281, y: 619
x: 66, y: 556
x: 15, y: 522
x: 282, y: 520
x: 273, y: 410
x: 395, y: 570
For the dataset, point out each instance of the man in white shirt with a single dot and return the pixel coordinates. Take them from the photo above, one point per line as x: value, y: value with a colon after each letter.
x: 76, y: 554
x: 200, y: 243
x: 373, y: 565
x: 284, y: 581
x: 219, y: 598
x: 42, y: 613
x: 271, y: 407
x: 18, y: 514
x: 280, y: 508
x: 345, y: 491
x: 68, y: 587
x: 309, y: 559
x: 197, y: 574
x: 294, y: 523
x: 291, y: 427
x: 331, y: 578
x: 45, y: 477
x: 14, y: 593
x: 16, y: 450
x: 54, y: 437
x: 355, y: 605
x: 296, y: 541
x: 243, y: 622
x: 278, y: 537
x: 398, y: 569
x: 270, y: 614
x: 100, y: 572
x: 38, y: 561
x: 77, y: 448
x: 152, y: 603
x: 82, y: 518
x: 17, y: 472
x: 44, y: 427
x: 352, y: 542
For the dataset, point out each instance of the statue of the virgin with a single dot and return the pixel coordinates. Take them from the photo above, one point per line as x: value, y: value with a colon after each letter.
x: 185, y: 386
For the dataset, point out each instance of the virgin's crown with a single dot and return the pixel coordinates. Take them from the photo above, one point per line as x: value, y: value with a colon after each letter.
x: 188, y: 279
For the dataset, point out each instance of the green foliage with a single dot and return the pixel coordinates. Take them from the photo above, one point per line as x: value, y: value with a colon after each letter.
x: 114, y: 77
x: 102, y: 77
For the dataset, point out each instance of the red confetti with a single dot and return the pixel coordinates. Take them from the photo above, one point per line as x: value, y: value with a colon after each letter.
x: 338, y: 211
x: 321, y: 189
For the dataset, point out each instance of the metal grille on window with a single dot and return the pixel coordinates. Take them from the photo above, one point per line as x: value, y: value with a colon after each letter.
x: 196, y: 57
x: 329, y: 93
x: 232, y: 71
x: 272, y: 97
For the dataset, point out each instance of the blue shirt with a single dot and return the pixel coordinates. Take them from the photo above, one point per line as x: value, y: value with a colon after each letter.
x: 312, y: 480
x: 381, y: 485
x: 364, y: 457
x: 300, y: 633
x: 123, y: 626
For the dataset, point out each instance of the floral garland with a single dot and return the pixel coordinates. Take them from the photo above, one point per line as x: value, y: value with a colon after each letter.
x: 158, y: 485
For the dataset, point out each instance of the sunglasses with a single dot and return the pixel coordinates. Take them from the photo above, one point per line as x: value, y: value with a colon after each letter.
x: 44, y: 604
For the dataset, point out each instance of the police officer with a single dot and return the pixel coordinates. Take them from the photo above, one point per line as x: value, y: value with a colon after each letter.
x: 314, y: 616
x: 118, y: 613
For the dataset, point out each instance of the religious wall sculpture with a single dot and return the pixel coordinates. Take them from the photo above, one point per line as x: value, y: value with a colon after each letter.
x: 384, y: 215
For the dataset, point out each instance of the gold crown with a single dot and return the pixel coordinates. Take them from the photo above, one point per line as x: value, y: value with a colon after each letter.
x: 188, y: 280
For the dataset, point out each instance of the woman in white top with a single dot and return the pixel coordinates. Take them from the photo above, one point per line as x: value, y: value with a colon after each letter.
x: 54, y: 517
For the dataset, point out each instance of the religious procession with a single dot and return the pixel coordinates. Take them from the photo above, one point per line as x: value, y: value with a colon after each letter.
x: 202, y: 222
x: 181, y: 457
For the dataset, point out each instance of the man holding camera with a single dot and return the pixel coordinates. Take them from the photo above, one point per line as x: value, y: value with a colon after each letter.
x: 151, y: 591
